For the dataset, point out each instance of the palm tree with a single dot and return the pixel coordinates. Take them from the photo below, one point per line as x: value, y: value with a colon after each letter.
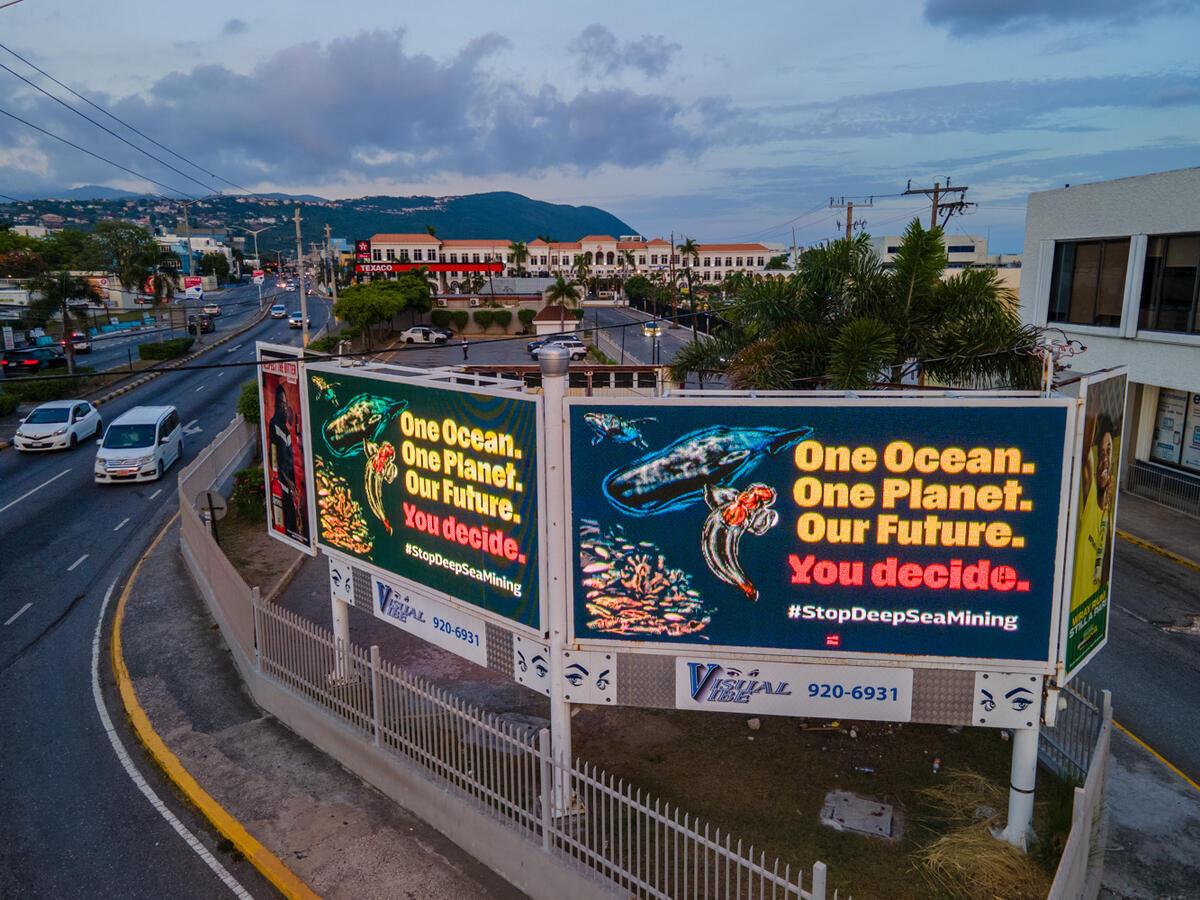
x: 688, y: 251
x: 164, y: 278
x: 562, y: 292
x: 57, y: 291
x: 628, y: 263
x: 520, y: 253
x: 844, y: 321
x: 583, y: 269
x: 431, y: 230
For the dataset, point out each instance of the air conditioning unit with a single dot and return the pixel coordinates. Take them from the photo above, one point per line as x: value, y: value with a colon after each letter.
x: 441, y: 301
x: 474, y: 301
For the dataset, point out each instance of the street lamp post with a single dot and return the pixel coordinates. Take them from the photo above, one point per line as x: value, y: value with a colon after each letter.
x: 257, y: 260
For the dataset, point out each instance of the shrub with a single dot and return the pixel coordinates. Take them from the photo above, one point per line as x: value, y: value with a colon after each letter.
x: 459, y: 319
x: 526, y: 317
x: 325, y: 344
x: 8, y: 403
x: 171, y: 349
x: 248, y: 496
x: 440, y: 318
x: 484, y: 318
x: 502, y: 317
x: 41, y: 388
x: 248, y: 403
x: 578, y: 314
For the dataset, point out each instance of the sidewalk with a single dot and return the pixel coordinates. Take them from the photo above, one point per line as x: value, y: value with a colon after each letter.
x: 1160, y: 526
x: 340, y: 836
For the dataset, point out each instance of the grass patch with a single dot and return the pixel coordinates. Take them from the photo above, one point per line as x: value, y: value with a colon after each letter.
x: 172, y: 349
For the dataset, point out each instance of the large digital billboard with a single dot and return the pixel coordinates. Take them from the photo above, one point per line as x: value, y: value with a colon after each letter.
x: 432, y: 483
x: 1095, y: 524
x: 282, y: 417
x: 850, y: 528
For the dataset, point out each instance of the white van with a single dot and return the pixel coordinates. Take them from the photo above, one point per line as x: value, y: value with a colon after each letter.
x: 139, y: 445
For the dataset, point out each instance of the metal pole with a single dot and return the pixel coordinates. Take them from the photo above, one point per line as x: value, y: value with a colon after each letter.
x: 554, y: 362
x: 300, y: 283
x: 187, y: 236
x: 1021, y: 784
x: 341, y: 637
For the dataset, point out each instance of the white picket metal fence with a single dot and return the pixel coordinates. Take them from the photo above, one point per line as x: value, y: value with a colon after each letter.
x: 646, y: 847
x: 1069, y: 748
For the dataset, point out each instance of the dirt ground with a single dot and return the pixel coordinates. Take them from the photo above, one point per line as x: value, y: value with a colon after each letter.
x: 767, y: 786
x: 261, y: 560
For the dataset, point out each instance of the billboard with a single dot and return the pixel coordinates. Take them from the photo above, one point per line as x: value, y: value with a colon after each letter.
x: 258, y: 276
x: 1095, y: 522
x: 362, y: 250
x: 282, y: 417
x: 433, y: 484
x: 193, y: 287
x: 924, y: 527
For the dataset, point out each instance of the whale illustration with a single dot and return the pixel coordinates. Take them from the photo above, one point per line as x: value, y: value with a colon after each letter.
x: 360, y: 421
x: 675, y: 476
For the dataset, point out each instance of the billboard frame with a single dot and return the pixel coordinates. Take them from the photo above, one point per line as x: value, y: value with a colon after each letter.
x: 284, y: 352
x: 444, y: 379
x: 742, y: 399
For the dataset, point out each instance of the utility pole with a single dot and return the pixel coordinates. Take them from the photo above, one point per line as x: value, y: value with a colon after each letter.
x: 795, y: 255
x: 674, y: 297
x: 300, y: 283
x: 187, y: 228
x: 848, y: 205
x: 257, y: 259
x: 935, y: 193
x: 332, y: 263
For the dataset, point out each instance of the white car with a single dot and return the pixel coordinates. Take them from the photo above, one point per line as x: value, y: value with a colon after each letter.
x: 278, y: 311
x: 56, y: 425
x: 577, y: 348
x: 139, y: 445
x: 423, y: 334
x: 297, y: 320
x: 211, y: 309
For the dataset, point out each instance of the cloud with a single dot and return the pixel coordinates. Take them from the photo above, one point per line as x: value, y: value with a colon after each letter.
x: 367, y: 107
x: 601, y: 53
x: 974, y: 18
x: 233, y: 27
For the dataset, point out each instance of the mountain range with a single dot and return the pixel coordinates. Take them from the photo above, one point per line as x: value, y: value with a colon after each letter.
x: 497, y: 214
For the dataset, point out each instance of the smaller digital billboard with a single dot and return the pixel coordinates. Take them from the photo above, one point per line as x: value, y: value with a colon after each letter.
x: 432, y: 483
x: 891, y: 528
x: 282, y: 421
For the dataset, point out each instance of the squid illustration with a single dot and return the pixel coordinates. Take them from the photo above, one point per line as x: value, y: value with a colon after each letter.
x: 380, y: 469
x: 731, y: 514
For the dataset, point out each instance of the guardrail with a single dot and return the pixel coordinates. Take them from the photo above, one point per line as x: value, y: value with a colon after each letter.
x: 1069, y: 748
x: 1175, y: 491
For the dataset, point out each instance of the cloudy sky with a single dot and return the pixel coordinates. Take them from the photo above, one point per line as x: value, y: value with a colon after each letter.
x: 717, y: 121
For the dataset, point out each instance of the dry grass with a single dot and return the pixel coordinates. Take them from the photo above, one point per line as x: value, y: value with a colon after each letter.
x: 966, y: 860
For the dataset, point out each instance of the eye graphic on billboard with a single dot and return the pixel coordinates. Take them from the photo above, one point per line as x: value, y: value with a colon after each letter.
x: 926, y: 527
x: 431, y: 483
x: 1096, y: 516
x: 281, y: 414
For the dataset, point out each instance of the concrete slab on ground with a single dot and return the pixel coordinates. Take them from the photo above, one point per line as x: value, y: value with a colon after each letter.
x: 847, y: 811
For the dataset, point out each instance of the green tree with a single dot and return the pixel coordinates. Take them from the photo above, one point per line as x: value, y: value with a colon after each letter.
x: 639, y: 289
x: 129, y: 250
x: 54, y: 293
x: 778, y: 263
x: 520, y: 253
x: 845, y: 321
x: 214, y: 264
x: 366, y: 305
x: 21, y: 264
x: 72, y: 249
x: 688, y: 251
x: 164, y: 278
x: 562, y: 292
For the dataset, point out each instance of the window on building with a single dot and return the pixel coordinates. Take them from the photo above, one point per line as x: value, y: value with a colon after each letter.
x: 960, y: 248
x: 1087, y: 285
x: 403, y: 256
x: 760, y: 262
x: 430, y: 255
x: 1170, y: 286
x: 654, y: 259
x: 893, y: 248
x: 416, y: 255
x: 642, y: 260
x: 453, y: 257
x: 707, y: 261
x: 391, y: 254
x: 474, y: 257
x: 377, y: 254
x: 739, y: 260
x: 729, y: 261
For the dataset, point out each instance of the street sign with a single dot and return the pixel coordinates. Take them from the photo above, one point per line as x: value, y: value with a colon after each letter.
x: 259, y: 276
x: 9, y: 343
x: 212, y: 504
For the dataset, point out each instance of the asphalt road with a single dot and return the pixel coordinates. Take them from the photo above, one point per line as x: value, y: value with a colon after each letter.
x: 1154, y: 672
x: 74, y: 824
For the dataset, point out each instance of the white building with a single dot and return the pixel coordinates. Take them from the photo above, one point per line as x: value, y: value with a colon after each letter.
x: 1116, y: 265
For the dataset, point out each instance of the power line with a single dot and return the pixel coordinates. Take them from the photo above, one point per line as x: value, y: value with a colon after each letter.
x: 105, y: 128
x: 116, y: 118
x: 95, y: 155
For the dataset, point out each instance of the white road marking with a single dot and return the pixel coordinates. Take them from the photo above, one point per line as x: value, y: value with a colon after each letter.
x: 234, y: 347
x: 17, y: 614
x: 219, y: 374
x: 34, y: 491
x: 156, y: 493
x: 202, y: 387
x: 122, y: 524
x: 192, y: 427
x: 73, y: 566
x: 136, y: 777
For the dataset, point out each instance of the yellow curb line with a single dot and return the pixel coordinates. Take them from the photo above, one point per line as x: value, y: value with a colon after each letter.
x: 1161, y: 551
x: 271, y: 867
x: 1162, y: 759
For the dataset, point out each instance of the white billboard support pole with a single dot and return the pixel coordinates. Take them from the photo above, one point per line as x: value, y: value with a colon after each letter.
x: 554, y: 363
x: 1021, y: 786
x: 341, y: 638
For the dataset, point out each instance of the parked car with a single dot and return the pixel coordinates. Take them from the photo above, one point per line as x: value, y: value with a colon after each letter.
x: 80, y: 341
x: 200, y: 324
x: 423, y: 334
x: 297, y: 320
x: 212, y: 309
x: 574, y: 346
x: 32, y: 360
x: 57, y: 425
x: 278, y: 311
x: 139, y: 445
